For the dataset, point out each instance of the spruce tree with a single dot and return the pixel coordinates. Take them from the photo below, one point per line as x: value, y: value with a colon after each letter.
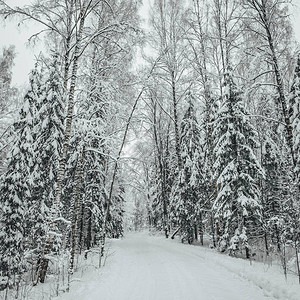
x: 188, y: 197
x: 271, y: 193
x: 237, y: 170
x: 94, y: 187
x: 48, y: 130
x: 15, y: 190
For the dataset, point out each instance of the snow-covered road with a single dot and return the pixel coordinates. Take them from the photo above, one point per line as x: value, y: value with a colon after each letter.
x: 152, y: 268
x: 143, y: 267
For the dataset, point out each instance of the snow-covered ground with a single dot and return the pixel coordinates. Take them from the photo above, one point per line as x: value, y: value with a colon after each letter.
x: 144, y: 267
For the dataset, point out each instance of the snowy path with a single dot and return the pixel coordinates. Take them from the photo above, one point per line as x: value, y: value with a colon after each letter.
x: 143, y: 267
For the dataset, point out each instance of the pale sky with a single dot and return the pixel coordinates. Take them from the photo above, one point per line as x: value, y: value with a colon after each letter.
x: 11, y: 34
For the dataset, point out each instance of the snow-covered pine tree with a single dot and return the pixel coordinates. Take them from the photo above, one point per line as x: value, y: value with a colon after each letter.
x: 51, y: 125
x: 94, y: 178
x: 117, y: 211
x: 285, y: 224
x: 94, y: 194
x: 210, y: 111
x: 280, y: 220
x: 15, y: 190
x: 237, y: 170
x: 48, y: 130
x: 188, y: 188
x: 271, y: 194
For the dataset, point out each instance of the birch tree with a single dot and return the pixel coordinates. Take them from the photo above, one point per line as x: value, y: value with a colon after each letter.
x: 267, y: 15
x: 169, y: 36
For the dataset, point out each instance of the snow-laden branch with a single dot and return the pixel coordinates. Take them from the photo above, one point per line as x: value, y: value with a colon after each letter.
x: 100, y: 152
x: 8, y: 11
x: 248, y: 116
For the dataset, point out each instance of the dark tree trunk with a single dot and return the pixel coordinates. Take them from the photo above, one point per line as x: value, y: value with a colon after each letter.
x: 277, y: 238
x: 162, y: 171
x: 196, y: 232
x: 213, y: 230
x: 81, y: 228
x: 266, y: 243
x: 43, y: 269
x: 76, y: 209
x: 89, y: 232
x: 201, y: 228
x: 297, y: 260
x: 176, y: 126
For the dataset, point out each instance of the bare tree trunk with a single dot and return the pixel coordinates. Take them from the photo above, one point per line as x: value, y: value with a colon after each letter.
x: 89, y: 232
x: 297, y: 260
x: 162, y: 172
x: 277, y: 238
x: 175, y: 232
x: 283, y: 261
x: 266, y: 243
x: 76, y: 209
x: 176, y: 127
x: 247, y: 248
x: 220, y: 37
x: 195, y: 232
x: 82, y: 227
x: 213, y: 230
x: 201, y: 228
x: 67, y: 45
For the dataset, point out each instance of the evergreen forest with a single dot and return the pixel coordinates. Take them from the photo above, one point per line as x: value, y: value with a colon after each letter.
x: 184, y: 120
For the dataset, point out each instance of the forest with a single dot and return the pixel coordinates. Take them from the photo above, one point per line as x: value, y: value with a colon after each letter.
x: 189, y: 115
